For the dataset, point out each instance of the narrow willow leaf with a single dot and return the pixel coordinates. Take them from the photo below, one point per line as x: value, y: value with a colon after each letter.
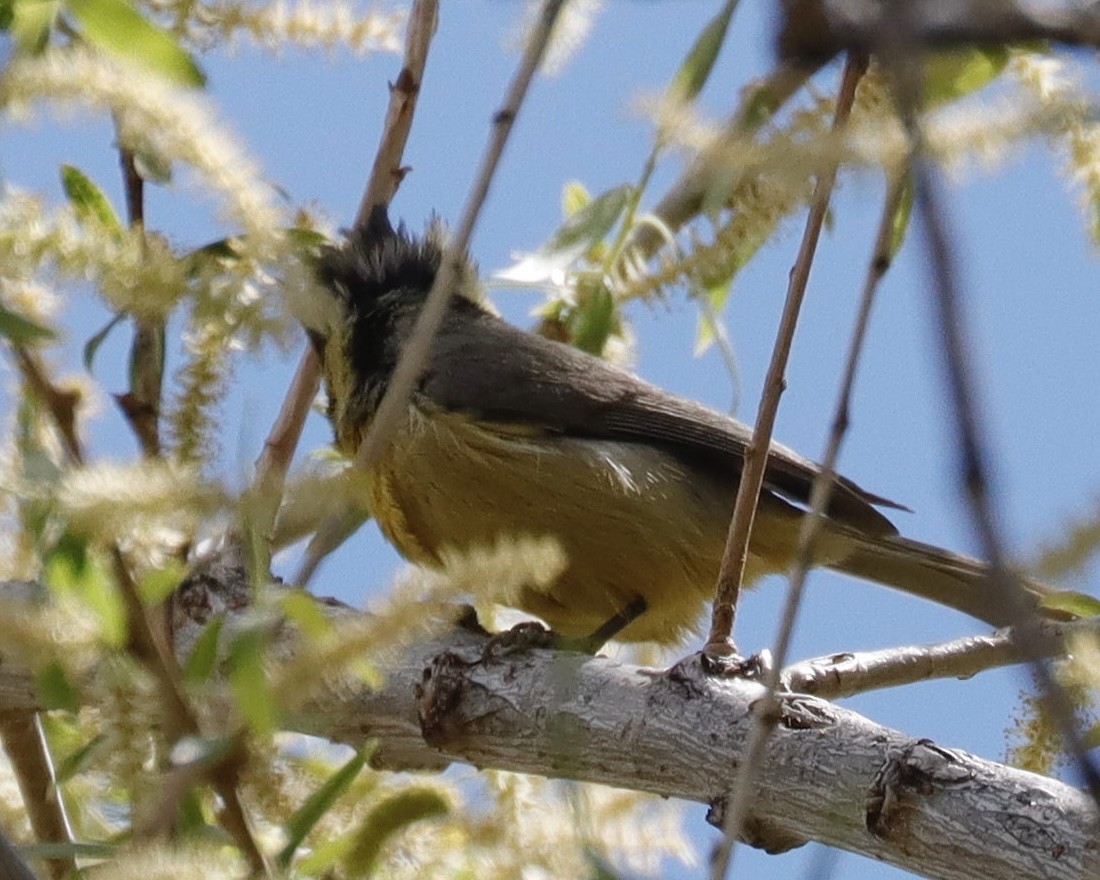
x: 696, y: 68
x: 88, y: 200
x: 74, y: 763
x: 30, y: 22
x: 152, y: 167
x: 55, y: 689
x: 157, y: 585
x: 589, y: 225
x: 303, y: 609
x: 249, y: 681
x: 900, y: 224
x: 318, y: 803
x: 574, y: 198
x: 116, y: 27
x: 593, y: 320
x: 203, y: 659
x: 1071, y: 603
x: 22, y: 330
x: 91, y: 347
x: 954, y: 74
x: 69, y: 568
x: 387, y: 819
x: 717, y: 293
x: 101, y: 851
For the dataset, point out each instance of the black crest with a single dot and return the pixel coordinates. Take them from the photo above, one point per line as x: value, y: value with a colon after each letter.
x: 375, y: 259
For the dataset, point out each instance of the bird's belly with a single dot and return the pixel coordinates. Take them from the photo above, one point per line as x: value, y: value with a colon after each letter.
x: 631, y: 520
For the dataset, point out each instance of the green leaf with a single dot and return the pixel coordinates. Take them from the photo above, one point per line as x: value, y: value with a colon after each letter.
x: 306, y: 240
x: 22, y: 330
x: 1071, y: 604
x: 900, y: 223
x: 55, y: 689
x: 74, y: 763
x: 115, y: 27
x: 311, y: 812
x: 248, y: 680
x: 303, y: 609
x: 88, y: 200
x: 387, y: 819
x: 956, y: 73
x: 91, y: 347
x: 716, y: 293
x: 69, y: 568
x: 203, y: 659
x: 152, y: 167
x: 590, y: 224
x: 30, y: 23
x: 98, y: 851
x: 191, y: 820
x: 593, y: 321
x: 1092, y: 737
x: 157, y: 585
x: 696, y: 68
x: 574, y: 197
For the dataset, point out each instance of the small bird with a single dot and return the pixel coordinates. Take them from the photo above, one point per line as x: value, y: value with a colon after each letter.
x: 509, y: 433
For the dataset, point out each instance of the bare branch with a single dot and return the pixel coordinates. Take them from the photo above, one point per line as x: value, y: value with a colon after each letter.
x: 141, y: 405
x: 900, y: 49
x: 387, y: 172
x: 816, y: 30
x: 148, y: 641
x: 25, y: 743
x: 385, y: 177
x: 416, y: 351
x: 756, y: 456
x: 736, y: 555
x: 12, y: 867
x: 847, y: 673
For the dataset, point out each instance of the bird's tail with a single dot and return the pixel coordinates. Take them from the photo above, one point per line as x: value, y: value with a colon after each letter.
x: 930, y: 572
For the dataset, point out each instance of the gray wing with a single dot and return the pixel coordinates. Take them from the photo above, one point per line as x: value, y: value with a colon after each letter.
x: 501, y: 373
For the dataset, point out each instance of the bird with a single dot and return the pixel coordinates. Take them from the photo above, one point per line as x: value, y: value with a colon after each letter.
x: 510, y: 433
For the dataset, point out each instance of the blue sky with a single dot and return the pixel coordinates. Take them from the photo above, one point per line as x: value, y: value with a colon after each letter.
x: 1029, y: 272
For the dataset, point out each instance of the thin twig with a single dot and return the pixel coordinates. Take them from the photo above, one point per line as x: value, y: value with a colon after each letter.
x: 25, y: 744
x: 387, y: 172
x: 936, y: 26
x: 60, y: 403
x: 766, y: 714
x: 685, y: 199
x: 756, y: 456
x: 385, y: 177
x: 903, y: 58
x: 415, y: 355
x: 848, y: 673
x: 141, y: 403
x: 147, y: 642
x: 12, y: 867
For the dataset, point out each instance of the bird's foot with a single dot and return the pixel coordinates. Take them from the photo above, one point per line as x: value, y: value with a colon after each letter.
x: 722, y: 661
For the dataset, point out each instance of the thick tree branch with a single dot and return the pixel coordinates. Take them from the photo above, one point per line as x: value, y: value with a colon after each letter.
x: 828, y: 774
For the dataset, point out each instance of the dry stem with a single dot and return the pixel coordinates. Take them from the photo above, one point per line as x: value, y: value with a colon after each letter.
x: 756, y: 456
x: 897, y: 41
x: 733, y: 563
x: 385, y: 177
x: 415, y: 354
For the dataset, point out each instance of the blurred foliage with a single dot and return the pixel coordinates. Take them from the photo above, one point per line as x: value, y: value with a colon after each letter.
x: 99, y: 536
